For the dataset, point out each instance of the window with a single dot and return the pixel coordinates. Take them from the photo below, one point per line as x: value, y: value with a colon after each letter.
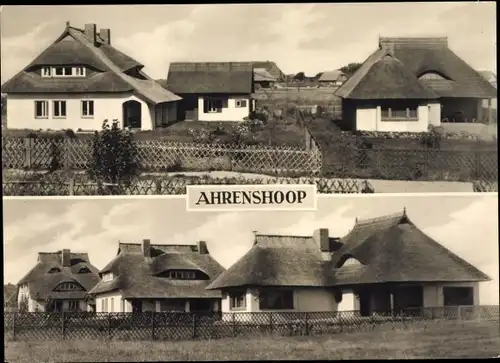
x: 68, y: 286
x: 241, y: 103
x: 182, y: 275
x: 107, y: 276
x: 87, y: 108
x: 54, y: 270
x: 73, y: 305
x: 59, y: 109
x: 41, y: 109
x: 111, y: 304
x: 276, y: 300
x: 432, y: 76
x: 237, y: 301
x: 400, y: 112
x: 63, y: 71
x: 213, y: 105
x: 173, y: 305
x: 84, y: 270
x: 458, y: 296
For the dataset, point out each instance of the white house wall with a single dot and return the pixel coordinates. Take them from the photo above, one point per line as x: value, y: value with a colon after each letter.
x: 114, y: 303
x: 370, y: 119
x: 230, y: 113
x: 21, y: 111
x: 433, y: 293
x: 435, y: 114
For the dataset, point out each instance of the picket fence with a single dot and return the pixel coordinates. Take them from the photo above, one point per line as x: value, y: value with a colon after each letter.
x: 162, y: 155
x: 185, y: 326
x: 80, y: 185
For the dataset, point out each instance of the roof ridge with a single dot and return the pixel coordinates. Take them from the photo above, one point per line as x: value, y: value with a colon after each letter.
x: 387, y: 217
x: 281, y: 235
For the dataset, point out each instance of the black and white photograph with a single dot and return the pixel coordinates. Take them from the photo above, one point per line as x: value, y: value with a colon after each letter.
x: 146, y: 99
x: 362, y: 277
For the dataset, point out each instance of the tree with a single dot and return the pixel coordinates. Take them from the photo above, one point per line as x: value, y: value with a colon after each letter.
x: 300, y: 76
x: 114, y: 159
x: 350, y: 69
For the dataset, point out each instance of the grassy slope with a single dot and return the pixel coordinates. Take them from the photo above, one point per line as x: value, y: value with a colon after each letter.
x: 455, y: 340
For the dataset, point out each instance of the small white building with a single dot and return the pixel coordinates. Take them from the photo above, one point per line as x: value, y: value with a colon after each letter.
x: 79, y: 81
x: 335, y: 78
x: 58, y: 282
x: 409, y: 84
x: 212, y: 91
x: 382, y: 265
x: 160, y: 278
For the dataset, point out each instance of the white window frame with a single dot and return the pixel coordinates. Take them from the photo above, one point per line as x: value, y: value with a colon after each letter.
x: 87, y: 103
x: 50, y: 72
x: 212, y: 105
x: 54, y: 107
x: 45, y: 109
x: 237, y: 301
x: 238, y: 103
x: 107, y: 276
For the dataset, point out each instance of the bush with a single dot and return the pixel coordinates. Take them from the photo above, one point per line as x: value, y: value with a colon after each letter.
x: 114, y: 159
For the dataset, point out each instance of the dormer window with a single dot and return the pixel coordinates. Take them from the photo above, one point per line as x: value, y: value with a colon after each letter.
x: 68, y: 286
x: 432, y: 76
x: 54, y: 270
x: 107, y: 276
x: 63, y: 71
x: 84, y: 270
x: 182, y: 275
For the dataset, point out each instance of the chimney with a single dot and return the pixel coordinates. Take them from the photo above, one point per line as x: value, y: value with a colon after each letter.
x: 66, y: 258
x: 146, y: 248
x: 322, y: 239
x: 202, y: 248
x: 90, y: 32
x: 105, y: 35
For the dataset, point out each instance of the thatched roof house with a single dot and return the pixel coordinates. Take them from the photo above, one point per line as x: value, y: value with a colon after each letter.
x: 62, y: 277
x: 272, y: 68
x: 335, y: 77
x: 378, y: 258
x: 424, y: 70
x: 84, y: 62
x: 212, y: 91
x: 158, y: 277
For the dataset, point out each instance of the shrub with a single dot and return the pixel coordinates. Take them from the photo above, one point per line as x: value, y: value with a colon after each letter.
x: 113, y: 163
x: 69, y: 134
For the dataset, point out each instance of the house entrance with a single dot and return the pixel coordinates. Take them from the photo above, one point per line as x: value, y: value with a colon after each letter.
x: 136, y: 306
x: 132, y: 114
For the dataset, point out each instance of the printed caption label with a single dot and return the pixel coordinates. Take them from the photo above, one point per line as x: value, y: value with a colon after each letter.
x: 285, y: 197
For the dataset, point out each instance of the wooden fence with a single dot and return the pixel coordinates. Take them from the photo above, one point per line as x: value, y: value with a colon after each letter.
x: 79, y: 184
x: 184, y: 326
x: 160, y: 155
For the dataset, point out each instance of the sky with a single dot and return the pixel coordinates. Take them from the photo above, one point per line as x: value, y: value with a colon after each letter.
x: 299, y: 37
x: 467, y: 225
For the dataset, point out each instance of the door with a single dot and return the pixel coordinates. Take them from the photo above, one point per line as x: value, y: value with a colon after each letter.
x: 136, y: 306
x: 132, y: 114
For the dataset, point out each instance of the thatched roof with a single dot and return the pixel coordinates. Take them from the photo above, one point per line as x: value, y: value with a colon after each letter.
x: 278, y: 261
x: 331, y: 76
x: 41, y: 282
x: 136, y: 275
x: 73, y: 47
x: 210, y: 77
x: 270, y: 67
x: 262, y: 75
x: 382, y: 76
x: 392, y: 249
x: 419, y: 56
x: 388, y: 249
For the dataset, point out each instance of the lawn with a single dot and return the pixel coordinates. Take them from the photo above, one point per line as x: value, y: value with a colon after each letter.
x: 432, y: 340
x: 275, y: 132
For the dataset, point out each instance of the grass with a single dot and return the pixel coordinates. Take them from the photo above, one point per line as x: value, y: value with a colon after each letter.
x: 282, y: 132
x: 432, y: 340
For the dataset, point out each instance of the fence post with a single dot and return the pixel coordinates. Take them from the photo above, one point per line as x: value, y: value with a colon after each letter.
x: 14, y: 326
x: 234, y: 325
x: 158, y: 186
x: 194, y: 325
x: 63, y: 325
x: 153, y: 325
x: 27, y: 152
x: 271, y: 322
x: 71, y: 186
x: 109, y: 325
x: 306, y: 324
